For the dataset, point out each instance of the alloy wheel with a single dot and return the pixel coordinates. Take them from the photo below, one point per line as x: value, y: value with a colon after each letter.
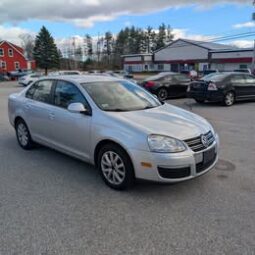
x: 23, y: 134
x: 113, y: 168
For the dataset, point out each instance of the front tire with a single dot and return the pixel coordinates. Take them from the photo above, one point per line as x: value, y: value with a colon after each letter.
x: 229, y: 98
x: 23, y: 135
x: 115, y: 167
x: 162, y: 94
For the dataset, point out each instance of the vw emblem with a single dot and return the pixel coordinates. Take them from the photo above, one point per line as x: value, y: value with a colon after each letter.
x: 204, y: 140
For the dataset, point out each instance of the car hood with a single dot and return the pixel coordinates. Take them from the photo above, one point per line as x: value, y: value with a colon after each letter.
x: 165, y: 120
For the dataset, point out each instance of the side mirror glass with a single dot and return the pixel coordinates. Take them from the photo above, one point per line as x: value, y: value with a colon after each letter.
x: 77, y: 108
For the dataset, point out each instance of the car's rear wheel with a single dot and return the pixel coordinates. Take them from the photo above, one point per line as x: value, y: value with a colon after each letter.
x: 229, y: 98
x: 23, y: 135
x: 162, y: 94
x: 115, y: 167
x: 200, y: 101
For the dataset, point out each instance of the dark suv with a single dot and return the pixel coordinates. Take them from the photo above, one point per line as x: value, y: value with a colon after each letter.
x: 224, y: 87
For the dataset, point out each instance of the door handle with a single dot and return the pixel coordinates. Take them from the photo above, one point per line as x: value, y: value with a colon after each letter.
x: 51, y: 116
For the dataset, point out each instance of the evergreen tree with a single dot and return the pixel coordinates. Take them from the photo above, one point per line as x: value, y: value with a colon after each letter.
x: 45, y: 51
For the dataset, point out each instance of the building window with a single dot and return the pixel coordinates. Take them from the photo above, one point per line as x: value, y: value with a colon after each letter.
x: 1, y: 52
x: 3, y: 65
x: 10, y: 52
x: 16, y: 65
x: 160, y: 67
x: 243, y: 66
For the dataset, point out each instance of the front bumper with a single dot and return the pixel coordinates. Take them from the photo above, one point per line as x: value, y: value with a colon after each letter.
x: 174, y: 167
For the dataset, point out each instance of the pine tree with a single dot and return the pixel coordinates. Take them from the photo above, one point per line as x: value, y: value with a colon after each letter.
x: 45, y: 51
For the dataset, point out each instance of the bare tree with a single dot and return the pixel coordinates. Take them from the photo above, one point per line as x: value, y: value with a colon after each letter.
x: 28, y: 43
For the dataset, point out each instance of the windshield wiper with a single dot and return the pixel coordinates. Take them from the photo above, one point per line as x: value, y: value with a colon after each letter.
x: 116, y: 110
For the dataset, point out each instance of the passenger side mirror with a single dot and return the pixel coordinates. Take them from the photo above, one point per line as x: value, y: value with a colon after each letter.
x: 77, y: 108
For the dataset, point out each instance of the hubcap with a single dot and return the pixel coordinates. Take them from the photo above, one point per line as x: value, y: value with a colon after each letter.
x: 162, y: 94
x: 229, y: 99
x: 22, y: 134
x: 113, y: 167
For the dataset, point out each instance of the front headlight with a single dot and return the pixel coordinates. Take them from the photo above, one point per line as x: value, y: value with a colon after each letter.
x: 165, y: 144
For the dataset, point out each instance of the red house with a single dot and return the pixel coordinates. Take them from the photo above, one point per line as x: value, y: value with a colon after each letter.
x: 12, y: 58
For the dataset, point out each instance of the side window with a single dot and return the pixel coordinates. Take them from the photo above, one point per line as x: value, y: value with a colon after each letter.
x: 167, y: 78
x: 250, y: 79
x: 42, y: 91
x: 67, y: 93
x: 238, y: 80
x: 31, y: 91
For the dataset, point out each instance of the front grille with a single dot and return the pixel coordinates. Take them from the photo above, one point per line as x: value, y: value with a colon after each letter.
x: 196, y: 144
x: 174, y: 173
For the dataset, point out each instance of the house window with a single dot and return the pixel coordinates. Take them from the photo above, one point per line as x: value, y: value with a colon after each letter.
x: 160, y: 67
x: 243, y: 66
x: 1, y: 52
x: 10, y: 52
x: 3, y: 65
x: 16, y: 65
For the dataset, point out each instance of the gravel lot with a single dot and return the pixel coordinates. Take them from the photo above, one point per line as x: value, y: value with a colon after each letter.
x: 53, y: 204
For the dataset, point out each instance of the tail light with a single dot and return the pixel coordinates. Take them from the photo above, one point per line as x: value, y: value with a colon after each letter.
x: 212, y: 86
x: 149, y: 84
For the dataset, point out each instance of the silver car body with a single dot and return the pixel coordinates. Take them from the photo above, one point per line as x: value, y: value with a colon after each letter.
x: 79, y: 135
x: 28, y: 79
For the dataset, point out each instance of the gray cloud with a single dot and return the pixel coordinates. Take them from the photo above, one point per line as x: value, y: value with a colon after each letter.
x: 86, y: 12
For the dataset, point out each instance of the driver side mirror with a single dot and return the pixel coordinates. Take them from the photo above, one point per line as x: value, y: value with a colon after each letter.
x: 77, y: 108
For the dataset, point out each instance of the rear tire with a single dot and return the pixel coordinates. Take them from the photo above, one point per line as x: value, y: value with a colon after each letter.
x: 162, y: 94
x: 115, y: 167
x: 23, y: 135
x: 200, y: 101
x: 229, y: 98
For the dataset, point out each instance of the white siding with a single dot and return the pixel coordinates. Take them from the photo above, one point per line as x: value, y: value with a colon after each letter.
x: 181, y: 51
x: 132, y: 59
x: 236, y: 54
x: 228, y: 66
x: 147, y: 58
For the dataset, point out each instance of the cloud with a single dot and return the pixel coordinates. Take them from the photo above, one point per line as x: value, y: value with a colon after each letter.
x: 12, y: 34
x: 249, y: 24
x: 86, y: 12
x: 242, y: 43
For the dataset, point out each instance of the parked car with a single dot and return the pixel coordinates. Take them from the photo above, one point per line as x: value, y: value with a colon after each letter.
x: 243, y: 71
x: 116, y: 125
x: 4, y: 77
x: 28, y: 79
x: 167, y: 84
x: 66, y: 72
x: 19, y: 73
x: 224, y: 87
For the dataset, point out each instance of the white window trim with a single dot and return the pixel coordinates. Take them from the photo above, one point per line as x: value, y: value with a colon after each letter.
x: 10, y: 49
x: 15, y: 63
x: 2, y: 52
x: 3, y: 65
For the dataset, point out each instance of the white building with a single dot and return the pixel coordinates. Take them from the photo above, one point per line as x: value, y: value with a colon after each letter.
x: 185, y: 55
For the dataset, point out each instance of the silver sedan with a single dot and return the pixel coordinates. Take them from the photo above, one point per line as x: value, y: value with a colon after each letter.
x: 115, y: 125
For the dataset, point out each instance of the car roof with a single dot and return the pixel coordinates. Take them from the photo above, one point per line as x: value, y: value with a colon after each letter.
x: 82, y: 78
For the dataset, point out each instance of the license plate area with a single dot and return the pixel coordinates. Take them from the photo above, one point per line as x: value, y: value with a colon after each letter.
x: 208, y: 156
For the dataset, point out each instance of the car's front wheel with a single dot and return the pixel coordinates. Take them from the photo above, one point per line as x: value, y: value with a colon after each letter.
x: 115, y: 167
x: 23, y: 135
x: 229, y: 98
x: 162, y: 94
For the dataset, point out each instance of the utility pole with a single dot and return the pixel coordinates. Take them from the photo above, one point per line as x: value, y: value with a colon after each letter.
x: 253, y: 58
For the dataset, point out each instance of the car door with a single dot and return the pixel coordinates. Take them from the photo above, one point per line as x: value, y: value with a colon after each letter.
x: 238, y: 82
x: 180, y: 83
x: 71, y: 131
x: 250, y: 85
x: 37, y: 108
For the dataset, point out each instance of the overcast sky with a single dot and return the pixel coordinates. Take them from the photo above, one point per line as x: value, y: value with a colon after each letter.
x: 196, y: 19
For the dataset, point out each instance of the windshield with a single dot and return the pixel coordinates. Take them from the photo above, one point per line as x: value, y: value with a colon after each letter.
x: 120, y: 96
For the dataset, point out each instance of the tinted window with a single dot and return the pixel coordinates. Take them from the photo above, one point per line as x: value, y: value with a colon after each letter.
x: 250, y: 79
x: 67, y: 93
x: 237, y: 79
x: 40, y: 91
x: 216, y: 77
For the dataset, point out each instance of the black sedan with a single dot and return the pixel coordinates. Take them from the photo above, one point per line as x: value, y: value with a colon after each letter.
x: 167, y: 84
x: 224, y: 87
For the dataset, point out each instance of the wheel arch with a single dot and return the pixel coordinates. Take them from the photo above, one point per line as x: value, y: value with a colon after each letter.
x: 109, y: 141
